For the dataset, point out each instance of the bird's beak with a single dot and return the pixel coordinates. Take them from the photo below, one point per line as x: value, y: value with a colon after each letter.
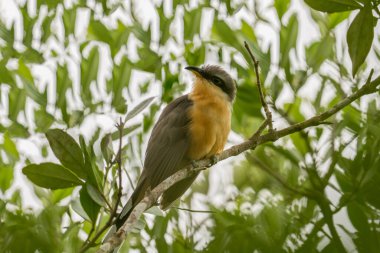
x: 196, y: 71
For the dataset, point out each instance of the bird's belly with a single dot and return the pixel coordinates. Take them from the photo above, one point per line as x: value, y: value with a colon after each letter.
x: 209, y: 129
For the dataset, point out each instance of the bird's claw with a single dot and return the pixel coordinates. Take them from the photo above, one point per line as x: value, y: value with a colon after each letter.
x: 194, y: 163
x: 214, y: 160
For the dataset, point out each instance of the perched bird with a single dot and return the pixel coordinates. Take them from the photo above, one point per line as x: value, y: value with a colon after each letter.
x: 192, y: 127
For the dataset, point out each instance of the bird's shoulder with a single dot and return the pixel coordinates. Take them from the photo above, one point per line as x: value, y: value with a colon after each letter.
x: 178, y: 107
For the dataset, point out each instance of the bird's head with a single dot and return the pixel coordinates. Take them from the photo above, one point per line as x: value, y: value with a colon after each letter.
x: 216, y: 76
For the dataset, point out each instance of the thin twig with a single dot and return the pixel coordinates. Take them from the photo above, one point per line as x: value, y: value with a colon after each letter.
x: 262, y: 96
x: 263, y: 125
x: 193, y: 211
x: 151, y: 197
x: 118, y: 160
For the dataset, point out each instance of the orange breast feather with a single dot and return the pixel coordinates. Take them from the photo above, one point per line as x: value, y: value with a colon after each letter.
x: 210, y: 120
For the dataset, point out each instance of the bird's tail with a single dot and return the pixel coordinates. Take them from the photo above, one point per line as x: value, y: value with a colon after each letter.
x: 137, y: 195
x: 123, y: 216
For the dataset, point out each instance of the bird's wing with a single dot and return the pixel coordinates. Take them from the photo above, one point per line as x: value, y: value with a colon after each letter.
x: 167, y: 146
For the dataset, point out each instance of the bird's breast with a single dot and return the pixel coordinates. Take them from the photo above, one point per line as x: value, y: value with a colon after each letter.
x: 209, y: 127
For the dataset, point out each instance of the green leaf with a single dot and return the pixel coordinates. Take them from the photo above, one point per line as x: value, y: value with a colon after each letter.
x: 318, y: 52
x: 98, y: 31
x: 43, y: 120
x: 10, y: 147
x: 89, y: 205
x: 67, y: 151
x: 6, y: 177
x: 89, y: 72
x: 95, y: 194
x: 78, y: 208
x: 336, y: 18
x: 63, y: 83
x: 29, y: 87
x: 360, y: 37
x: 51, y: 176
x: 121, y: 76
x: 288, y: 40
x: 106, y: 147
x: 138, y: 108
x: 6, y: 76
x: 192, y: 23
x: 69, y: 18
x: 15, y: 130
x: 17, y: 99
x: 126, y: 131
x: 281, y: 7
x: 333, y: 5
x: 90, y: 167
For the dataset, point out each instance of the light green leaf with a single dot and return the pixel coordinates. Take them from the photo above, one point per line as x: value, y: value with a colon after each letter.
x: 95, y: 194
x: 138, y: 108
x: 51, y: 176
x: 89, y: 72
x: 6, y: 177
x: 281, y: 7
x: 43, y: 120
x: 10, y: 147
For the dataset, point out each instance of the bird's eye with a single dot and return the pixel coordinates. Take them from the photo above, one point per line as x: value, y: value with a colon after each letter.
x: 217, y: 81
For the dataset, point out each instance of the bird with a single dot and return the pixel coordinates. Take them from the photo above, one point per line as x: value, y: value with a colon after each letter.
x: 192, y: 127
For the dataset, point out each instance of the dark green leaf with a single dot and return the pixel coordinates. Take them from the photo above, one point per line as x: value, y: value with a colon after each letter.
x: 360, y: 37
x: 67, y: 151
x: 90, y: 167
x: 89, y: 205
x: 106, y: 147
x: 51, y: 176
x: 333, y: 5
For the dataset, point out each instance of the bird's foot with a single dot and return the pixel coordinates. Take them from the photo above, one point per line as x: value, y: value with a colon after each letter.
x: 194, y: 163
x: 214, y: 160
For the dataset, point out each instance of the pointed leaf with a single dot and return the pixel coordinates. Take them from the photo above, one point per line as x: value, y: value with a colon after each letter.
x: 67, y: 151
x: 106, y: 147
x: 137, y: 109
x: 89, y: 206
x: 95, y: 194
x: 51, y: 176
x: 333, y: 5
x: 360, y: 37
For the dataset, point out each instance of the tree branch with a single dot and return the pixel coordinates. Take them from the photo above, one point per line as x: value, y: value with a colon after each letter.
x: 262, y: 96
x: 118, y: 160
x: 257, y: 139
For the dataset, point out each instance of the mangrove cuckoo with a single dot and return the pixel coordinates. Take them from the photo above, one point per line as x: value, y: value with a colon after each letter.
x: 192, y: 127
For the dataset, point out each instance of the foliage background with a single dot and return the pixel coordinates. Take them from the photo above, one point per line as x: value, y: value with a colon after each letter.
x: 80, y: 65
